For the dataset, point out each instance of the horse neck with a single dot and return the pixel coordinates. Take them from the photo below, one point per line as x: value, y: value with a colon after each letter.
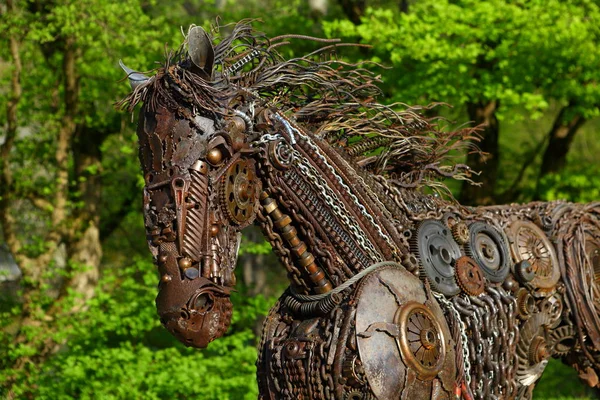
x: 325, y: 218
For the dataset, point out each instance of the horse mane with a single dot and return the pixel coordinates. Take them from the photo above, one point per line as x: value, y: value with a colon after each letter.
x: 333, y: 99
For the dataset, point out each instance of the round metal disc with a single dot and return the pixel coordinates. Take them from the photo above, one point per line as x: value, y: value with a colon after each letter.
x: 437, y: 252
x: 530, y: 243
x: 488, y: 247
x: 469, y: 276
x: 237, y: 192
x: 421, y: 340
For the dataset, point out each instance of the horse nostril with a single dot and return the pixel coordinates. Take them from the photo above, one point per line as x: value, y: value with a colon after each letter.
x: 203, y: 302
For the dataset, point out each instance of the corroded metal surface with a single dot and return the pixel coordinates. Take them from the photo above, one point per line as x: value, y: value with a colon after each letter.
x: 393, y: 293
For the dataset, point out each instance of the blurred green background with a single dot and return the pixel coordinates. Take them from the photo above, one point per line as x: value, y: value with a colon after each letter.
x: 78, y: 320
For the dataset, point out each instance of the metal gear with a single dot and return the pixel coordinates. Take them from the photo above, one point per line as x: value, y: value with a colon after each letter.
x: 529, y: 370
x: 538, y: 350
x: 437, y: 253
x: 563, y: 340
x: 355, y: 394
x: 469, y: 276
x: 421, y: 340
x: 528, y: 242
x: 280, y: 154
x: 488, y: 247
x: 353, y: 371
x: 238, y: 192
x: 450, y: 219
x: 525, y: 303
x: 524, y: 271
x: 460, y: 233
x: 553, y: 306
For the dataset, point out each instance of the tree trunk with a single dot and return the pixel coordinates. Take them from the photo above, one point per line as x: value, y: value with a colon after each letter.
x: 560, y: 138
x: 6, y: 218
x: 354, y: 9
x: 84, y: 248
x: 404, y: 6
x: 484, y: 114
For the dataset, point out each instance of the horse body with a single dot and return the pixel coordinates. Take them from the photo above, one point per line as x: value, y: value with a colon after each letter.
x: 393, y: 293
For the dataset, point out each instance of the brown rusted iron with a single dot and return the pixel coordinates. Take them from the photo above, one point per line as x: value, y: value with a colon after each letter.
x: 394, y: 293
x: 469, y: 276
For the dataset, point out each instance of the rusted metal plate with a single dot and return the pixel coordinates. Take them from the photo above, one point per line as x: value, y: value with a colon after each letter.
x: 381, y: 294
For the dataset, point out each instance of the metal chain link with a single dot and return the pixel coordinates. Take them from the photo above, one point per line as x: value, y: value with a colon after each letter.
x: 464, y: 340
x: 337, y: 206
x: 292, y: 129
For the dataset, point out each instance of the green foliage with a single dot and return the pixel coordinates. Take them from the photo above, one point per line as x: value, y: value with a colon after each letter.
x: 560, y: 382
x: 519, y: 53
x: 117, y: 349
x: 573, y: 186
x: 530, y: 55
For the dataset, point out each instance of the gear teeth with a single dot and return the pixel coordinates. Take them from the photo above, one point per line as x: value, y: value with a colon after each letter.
x: 460, y: 233
x: 524, y: 271
x: 355, y: 394
x: 538, y: 350
x: 558, y: 336
x: 468, y: 286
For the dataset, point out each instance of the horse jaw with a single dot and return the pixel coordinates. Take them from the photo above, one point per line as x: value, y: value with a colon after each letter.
x: 195, y: 311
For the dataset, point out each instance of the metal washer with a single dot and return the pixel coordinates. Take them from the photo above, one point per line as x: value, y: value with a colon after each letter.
x: 488, y: 246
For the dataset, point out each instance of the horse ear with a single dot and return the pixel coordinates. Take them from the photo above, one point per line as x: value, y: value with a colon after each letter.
x: 135, y: 78
x: 201, y: 51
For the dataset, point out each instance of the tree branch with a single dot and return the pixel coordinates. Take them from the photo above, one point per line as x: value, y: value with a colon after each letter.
x: 509, y: 195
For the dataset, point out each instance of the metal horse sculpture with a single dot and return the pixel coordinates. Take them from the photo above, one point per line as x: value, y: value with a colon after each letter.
x: 393, y: 293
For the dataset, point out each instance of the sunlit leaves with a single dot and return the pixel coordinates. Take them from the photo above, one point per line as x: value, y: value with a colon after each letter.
x: 523, y: 54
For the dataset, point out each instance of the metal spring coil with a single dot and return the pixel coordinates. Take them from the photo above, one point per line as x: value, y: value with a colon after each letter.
x: 311, y: 308
x: 367, y: 145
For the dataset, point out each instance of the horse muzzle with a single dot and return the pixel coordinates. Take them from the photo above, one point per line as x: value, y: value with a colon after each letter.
x: 195, y: 311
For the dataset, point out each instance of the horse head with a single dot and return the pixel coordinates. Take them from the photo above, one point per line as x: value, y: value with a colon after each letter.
x: 200, y: 188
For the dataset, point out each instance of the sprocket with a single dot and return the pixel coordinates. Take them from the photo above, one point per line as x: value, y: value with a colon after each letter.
x: 437, y: 252
x: 469, y: 276
x: 237, y: 192
x: 488, y: 247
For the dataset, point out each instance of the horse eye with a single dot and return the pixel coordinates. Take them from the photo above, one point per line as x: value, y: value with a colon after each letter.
x: 214, y: 156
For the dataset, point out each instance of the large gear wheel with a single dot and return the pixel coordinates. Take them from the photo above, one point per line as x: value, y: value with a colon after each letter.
x: 469, y: 276
x: 529, y: 243
x: 421, y: 341
x: 437, y: 253
x: 238, y: 195
x: 488, y: 247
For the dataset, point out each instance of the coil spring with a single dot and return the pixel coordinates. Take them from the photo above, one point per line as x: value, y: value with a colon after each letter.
x: 367, y: 145
x: 312, y: 308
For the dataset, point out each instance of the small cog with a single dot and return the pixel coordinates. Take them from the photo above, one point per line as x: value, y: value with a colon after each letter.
x: 469, y: 276
x: 538, y: 350
x: 460, y: 232
x: 524, y: 271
